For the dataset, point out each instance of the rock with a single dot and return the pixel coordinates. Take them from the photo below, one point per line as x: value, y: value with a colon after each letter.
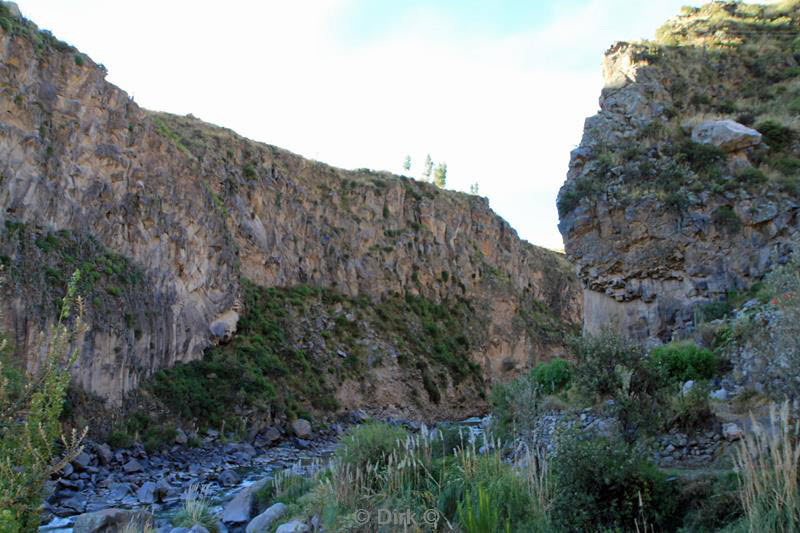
x: 108, y: 520
x: 719, y: 395
x: 272, y: 434
x: 146, y: 493
x: 228, y: 478
x: 162, y: 490
x: 132, y: 467
x: 181, y: 437
x: 240, y: 509
x: 179, y: 530
x: 301, y: 428
x: 82, y: 461
x: 295, y: 526
x: 726, y: 134
x: 687, y: 387
x: 67, y: 470
x: 197, y: 528
x: 104, y: 454
x: 263, y: 521
x: 732, y: 432
x: 117, y: 491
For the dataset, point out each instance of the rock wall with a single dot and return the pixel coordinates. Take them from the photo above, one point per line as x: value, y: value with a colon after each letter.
x: 659, y: 215
x: 196, y: 208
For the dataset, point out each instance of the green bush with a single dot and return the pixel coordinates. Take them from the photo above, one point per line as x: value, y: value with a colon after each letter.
x: 751, y: 176
x: 683, y: 361
x: 788, y: 166
x: 691, y: 411
x: 515, y: 406
x: 776, y: 135
x: 285, y: 488
x: 712, y: 503
x: 702, y: 157
x: 552, y: 376
x: 725, y: 217
x: 602, y: 483
x: 370, y: 444
x: 596, y: 360
x: 29, y: 421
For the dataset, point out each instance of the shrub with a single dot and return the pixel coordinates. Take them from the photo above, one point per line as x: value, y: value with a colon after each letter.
x: 789, y: 166
x: 751, y: 176
x: 553, y: 376
x: 702, y: 157
x: 603, y: 483
x: 370, y: 444
x: 29, y: 422
x: 684, y: 361
x: 725, y: 217
x: 712, y: 503
x: 691, y: 411
x: 597, y: 359
x: 515, y: 406
x: 776, y: 135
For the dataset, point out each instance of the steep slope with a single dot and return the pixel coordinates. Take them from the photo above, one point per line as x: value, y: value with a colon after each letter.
x: 659, y: 216
x: 168, y: 217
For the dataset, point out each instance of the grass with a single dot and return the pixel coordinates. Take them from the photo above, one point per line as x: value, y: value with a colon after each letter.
x: 195, y: 510
x: 767, y: 463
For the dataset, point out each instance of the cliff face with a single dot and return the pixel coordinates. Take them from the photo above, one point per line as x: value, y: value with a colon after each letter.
x: 166, y: 215
x: 684, y: 186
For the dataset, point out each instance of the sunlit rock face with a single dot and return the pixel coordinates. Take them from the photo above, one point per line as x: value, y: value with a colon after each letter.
x: 671, y: 201
x: 190, y: 208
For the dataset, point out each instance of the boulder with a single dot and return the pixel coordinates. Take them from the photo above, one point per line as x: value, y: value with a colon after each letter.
x: 108, y: 520
x: 228, y: 478
x: 162, y: 490
x: 197, y: 528
x: 301, y: 428
x: 719, y: 394
x: 732, y: 432
x: 104, y: 454
x: 240, y: 509
x: 132, y: 467
x: 687, y: 387
x: 146, y: 493
x: 295, y: 526
x: 726, y: 134
x: 263, y: 521
x: 181, y: 437
x: 82, y: 461
x: 272, y: 434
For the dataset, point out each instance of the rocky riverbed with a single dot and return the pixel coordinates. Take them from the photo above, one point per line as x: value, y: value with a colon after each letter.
x: 132, y: 479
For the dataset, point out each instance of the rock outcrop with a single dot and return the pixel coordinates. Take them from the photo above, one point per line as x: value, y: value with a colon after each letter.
x: 166, y: 215
x: 683, y: 187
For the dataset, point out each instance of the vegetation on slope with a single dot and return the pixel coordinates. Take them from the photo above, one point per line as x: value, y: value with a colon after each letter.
x: 752, y: 52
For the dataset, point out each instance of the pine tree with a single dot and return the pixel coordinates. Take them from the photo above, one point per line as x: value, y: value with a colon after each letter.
x: 440, y: 175
x: 407, y: 163
x: 473, y: 189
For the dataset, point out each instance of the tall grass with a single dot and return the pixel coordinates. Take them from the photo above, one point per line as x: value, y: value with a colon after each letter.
x: 767, y: 465
x: 196, y: 510
x: 469, y: 490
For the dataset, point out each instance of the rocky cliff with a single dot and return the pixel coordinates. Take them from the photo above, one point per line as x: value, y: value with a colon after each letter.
x: 168, y: 216
x: 685, y: 184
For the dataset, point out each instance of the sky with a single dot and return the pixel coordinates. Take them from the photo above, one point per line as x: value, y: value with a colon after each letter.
x: 496, y: 89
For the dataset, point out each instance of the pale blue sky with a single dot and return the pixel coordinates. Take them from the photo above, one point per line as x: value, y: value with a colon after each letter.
x: 497, y: 89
